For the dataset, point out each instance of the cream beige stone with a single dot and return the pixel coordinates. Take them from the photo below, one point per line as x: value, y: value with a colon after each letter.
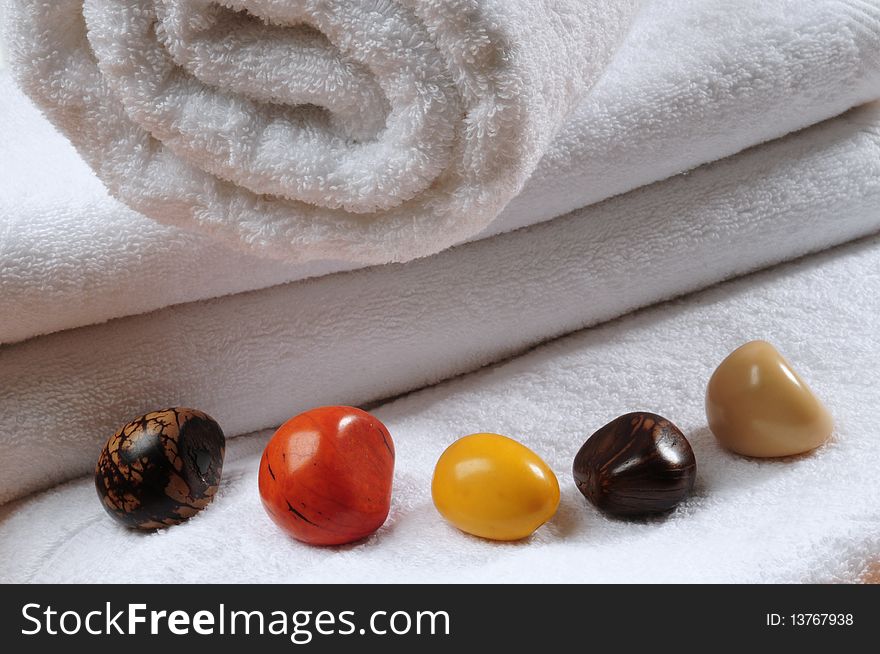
x: 757, y: 405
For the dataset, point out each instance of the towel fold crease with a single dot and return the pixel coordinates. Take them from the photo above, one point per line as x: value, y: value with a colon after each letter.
x: 723, y: 76
x: 253, y: 359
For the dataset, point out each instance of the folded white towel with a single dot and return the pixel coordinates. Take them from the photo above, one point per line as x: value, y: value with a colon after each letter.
x: 316, y: 128
x: 695, y: 80
x: 252, y: 360
x: 814, y: 518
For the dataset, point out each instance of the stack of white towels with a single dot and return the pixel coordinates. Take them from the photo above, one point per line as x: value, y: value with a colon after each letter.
x: 250, y: 210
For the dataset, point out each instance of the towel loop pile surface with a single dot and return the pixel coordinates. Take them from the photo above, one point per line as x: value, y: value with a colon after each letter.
x: 315, y: 129
x: 181, y: 110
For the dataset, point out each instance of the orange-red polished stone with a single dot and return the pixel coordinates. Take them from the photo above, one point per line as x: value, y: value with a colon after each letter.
x: 325, y: 476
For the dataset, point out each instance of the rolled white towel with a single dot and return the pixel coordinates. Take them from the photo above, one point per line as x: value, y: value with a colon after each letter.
x: 723, y: 76
x: 311, y: 129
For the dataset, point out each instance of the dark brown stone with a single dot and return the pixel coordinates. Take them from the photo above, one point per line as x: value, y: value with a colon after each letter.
x: 639, y: 464
x: 161, y: 468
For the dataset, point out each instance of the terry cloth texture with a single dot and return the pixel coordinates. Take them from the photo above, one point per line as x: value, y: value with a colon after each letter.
x: 693, y: 81
x: 369, y: 131
x: 814, y: 518
x: 253, y: 359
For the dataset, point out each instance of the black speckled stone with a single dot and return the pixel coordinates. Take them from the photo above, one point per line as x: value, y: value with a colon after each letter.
x: 161, y: 468
x: 639, y: 464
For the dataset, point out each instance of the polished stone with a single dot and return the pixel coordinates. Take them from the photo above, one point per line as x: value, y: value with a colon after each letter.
x: 326, y: 475
x: 491, y: 486
x: 757, y: 405
x: 161, y: 468
x: 639, y: 464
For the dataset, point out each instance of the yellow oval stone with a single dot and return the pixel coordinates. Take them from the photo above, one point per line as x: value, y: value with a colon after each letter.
x: 491, y: 486
x: 757, y: 405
